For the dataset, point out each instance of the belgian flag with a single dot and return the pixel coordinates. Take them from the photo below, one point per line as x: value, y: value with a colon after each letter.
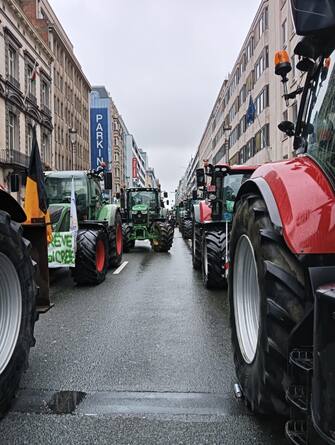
x: 36, y: 201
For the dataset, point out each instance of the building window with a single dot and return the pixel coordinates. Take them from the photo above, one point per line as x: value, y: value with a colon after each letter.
x: 31, y: 81
x: 46, y: 148
x: 12, y: 130
x: 29, y: 138
x: 284, y: 33
x: 45, y: 94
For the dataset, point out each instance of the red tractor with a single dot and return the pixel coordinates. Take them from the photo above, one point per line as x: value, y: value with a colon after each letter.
x: 282, y: 252
x: 212, y: 218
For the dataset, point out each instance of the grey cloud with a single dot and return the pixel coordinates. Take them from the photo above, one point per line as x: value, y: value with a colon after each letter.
x: 163, y: 62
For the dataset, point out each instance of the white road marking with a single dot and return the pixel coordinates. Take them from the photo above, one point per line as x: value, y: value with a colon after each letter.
x: 120, y: 269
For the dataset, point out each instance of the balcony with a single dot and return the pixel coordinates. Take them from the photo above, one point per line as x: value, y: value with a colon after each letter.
x: 46, y: 109
x: 32, y: 98
x: 14, y: 158
x: 13, y: 81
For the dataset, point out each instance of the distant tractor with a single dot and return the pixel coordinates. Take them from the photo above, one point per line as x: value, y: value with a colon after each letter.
x: 99, y: 238
x: 145, y: 218
x: 212, y: 220
x: 282, y: 254
x: 185, y: 217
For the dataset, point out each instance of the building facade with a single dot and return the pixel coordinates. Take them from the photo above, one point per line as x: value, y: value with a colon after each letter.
x: 70, y: 97
x: 25, y: 93
x: 243, y: 127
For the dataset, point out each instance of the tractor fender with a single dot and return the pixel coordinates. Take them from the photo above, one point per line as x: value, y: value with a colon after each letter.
x: 108, y: 213
x: 12, y: 207
x: 196, y: 212
x: 205, y: 212
x: 300, y: 201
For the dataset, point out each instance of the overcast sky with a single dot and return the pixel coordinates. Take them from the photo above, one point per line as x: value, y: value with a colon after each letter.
x: 163, y: 61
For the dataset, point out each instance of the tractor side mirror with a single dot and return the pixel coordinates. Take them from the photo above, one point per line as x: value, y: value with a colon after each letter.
x: 200, y: 174
x: 194, y: 195
x: 108, y: 180
x: 167, y: 202
x: 166, y: 195
x: 14, y: 183
x: 287, y: 127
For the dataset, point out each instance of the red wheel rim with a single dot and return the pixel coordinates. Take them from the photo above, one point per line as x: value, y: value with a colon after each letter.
x: 100, y: 256
x: 118, y: 239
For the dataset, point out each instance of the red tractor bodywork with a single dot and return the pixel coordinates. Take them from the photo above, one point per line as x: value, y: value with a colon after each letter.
x: 305, y: 201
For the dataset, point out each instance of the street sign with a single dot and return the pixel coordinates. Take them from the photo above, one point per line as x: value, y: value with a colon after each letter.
x: 99, y: 137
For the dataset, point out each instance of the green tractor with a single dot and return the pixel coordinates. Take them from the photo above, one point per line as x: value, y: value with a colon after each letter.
x: 98, y: 244
x: 145, y: 218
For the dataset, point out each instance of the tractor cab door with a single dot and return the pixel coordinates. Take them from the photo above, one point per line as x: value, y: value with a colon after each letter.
x: 96, y: 200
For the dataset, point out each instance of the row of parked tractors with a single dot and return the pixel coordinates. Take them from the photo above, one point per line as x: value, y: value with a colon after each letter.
x: 267, y: 233
x: 103, y: 232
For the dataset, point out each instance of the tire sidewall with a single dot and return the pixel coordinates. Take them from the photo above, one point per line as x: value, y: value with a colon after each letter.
x: 251, y: 376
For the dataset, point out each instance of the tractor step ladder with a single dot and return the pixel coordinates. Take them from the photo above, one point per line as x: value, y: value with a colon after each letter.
x: 298, y: 395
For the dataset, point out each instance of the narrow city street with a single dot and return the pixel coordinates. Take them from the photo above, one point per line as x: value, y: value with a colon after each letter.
x: 143, y: 358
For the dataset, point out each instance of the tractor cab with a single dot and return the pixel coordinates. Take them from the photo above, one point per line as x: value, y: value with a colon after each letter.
x: 143, y: 205
x: 222, y: 188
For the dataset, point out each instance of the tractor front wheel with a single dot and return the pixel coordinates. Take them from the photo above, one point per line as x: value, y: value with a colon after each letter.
x: 91, y: 257
x: 196, y: 246
x: 267, y: 301
x: 164, y: 234
x: 187, y: 229
x: 116, y: 242
x: 213, y: 259
x: 127, y: 242
x: 17, y: 308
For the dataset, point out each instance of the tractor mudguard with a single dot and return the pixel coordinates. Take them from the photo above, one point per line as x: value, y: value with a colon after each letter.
x: 11, y: 206
x: 196, y: 212
x: 108, y: 213
x: 205, y: 212
x: 300, y: 201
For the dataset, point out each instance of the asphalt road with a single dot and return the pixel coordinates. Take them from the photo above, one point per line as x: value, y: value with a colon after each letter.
x: 144, y: 358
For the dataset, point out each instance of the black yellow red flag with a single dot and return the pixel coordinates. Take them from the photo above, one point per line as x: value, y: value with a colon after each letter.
x: 36, y: 201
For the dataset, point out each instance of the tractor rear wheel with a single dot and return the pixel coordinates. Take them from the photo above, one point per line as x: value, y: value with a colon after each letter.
x: 116, y: 242
x: 17, y: 308
x: 165, y: 237
x: 213, y: 259
x: 267, y: 301
x: 91, y: 257
x: 196, y: 246
x: 127, y: 242
x: 187, y: 229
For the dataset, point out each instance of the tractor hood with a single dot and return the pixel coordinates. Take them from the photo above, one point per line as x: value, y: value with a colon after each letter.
x: 140, y: 208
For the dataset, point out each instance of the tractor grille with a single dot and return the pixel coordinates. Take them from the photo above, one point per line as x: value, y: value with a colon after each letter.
x: 139, y: 218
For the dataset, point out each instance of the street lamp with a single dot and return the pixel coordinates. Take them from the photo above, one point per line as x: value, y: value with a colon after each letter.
x: 73, y: 139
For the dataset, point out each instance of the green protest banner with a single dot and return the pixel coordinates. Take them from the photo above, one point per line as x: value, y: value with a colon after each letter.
x: 61, y: 252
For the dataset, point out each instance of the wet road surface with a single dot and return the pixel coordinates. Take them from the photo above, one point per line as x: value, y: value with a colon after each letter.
x: 144, y: 358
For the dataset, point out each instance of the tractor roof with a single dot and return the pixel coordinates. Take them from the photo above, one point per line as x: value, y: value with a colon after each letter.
x: 66, y: 174
x: 142, y: 189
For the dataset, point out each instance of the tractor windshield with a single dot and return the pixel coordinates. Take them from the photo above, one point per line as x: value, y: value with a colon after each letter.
x: 143, y: 197
x: 321, y: 118
x: 59, y: 190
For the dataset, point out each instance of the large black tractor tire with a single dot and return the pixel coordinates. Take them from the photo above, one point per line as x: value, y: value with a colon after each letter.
x: 165, y: 237
x: 213, y: 259
x: 127, y: 242
x: 196, y: 246
x: 17, y: 289
x: 187, y: 229
x: 260, y: 260
x: 181, y: 226
x: 116, y: 242
x: 91, y: 258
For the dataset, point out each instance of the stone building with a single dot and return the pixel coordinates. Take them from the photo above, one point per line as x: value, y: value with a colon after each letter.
x: 229, y: 135
x: 70, y: 97
x: 26, y: 92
